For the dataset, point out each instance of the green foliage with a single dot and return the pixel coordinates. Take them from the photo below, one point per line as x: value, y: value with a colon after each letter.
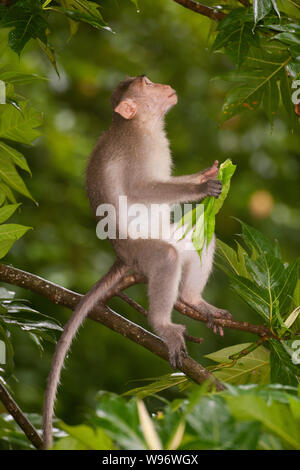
x: 83, y: 437
x: 263, y: 59
x: 261, y: 278
x: 18, y: 123
x: 250, y: 417
x: 16, y: 315
x: 27, y: 21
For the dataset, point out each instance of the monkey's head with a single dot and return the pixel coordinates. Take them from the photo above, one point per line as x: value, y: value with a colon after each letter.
x: 138, y: 97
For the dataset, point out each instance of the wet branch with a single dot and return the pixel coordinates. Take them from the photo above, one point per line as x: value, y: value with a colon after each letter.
x: 204, y: 10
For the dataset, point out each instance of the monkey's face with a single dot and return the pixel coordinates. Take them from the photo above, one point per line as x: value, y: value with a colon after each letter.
x: 146, y: 100
x: 155, y: 97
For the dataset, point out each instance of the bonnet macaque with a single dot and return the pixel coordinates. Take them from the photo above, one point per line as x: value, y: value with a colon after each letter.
x: 133, y: 159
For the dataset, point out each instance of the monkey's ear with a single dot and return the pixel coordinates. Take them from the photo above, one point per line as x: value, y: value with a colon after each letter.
x: 126, y: 108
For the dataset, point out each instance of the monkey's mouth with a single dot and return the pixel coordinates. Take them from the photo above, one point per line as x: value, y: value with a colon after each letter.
x: 172, y: 94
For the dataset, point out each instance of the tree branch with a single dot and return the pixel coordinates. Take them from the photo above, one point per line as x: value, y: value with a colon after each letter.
x: 204, y: 10
x: 20, y: 418
x: 107, y: 317
x: 190, y: 311
x: 245, y: 3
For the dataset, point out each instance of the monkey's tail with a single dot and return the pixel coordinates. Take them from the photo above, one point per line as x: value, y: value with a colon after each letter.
x: 86, y: 304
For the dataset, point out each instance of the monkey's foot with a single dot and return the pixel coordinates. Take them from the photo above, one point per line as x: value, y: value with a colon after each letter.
x: 173, y: 337
x: 212, y: 313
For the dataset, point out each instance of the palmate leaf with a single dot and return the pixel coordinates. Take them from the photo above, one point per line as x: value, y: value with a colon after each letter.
x: 255, y: 296
x: 255, y: 240
x: 28, y: 21
x: 278, y: 282
x: 235, y: 34
x: 257, y: 82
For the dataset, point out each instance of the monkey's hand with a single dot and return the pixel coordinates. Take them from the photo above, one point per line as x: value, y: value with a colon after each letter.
x: 173, y: 337
x: 210, y: 173
x: 211, y: 188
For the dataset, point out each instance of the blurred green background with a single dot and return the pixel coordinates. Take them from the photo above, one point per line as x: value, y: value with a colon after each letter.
x: 171, y: 45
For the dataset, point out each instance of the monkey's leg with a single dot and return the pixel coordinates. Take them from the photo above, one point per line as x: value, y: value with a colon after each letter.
x: 161, y: 264
x: 195, y: 276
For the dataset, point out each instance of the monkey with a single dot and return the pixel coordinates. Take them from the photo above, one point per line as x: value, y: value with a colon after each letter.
x: 133, y: 159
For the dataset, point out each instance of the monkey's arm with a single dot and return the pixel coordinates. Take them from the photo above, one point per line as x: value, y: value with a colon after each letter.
x: 193, y: 178
x: 200, y: 176
x: 171, y: 193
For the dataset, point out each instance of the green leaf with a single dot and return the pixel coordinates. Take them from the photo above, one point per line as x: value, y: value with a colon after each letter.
x: 7, y: 211
x: 119, y: 419
x: 27, y: 20
x: 286, y: 94
x: 18, y: 78
x: 136, y: 3
x: 233, y: 260
x: 50, y: 53
x: 8, y: 192
x: 275, y: 417
x: 235, y: 34
x: 206, y: 225
x: 255, y: 239
x: 271, y: 99
x: 15, y: 156
x: 253, y: 368
x: 82, y: 10
x: 290, y: 7
x: 9, y: 174
x: 210, y: 424
x: 282, y: 368
x: 159, y: 384
x: 12, y: 231
x: 83, y: 437
x: 19, y: 126
x: 213, y: 205
x: 5, y: 246
x: 256, y: 297
x: 260, y: 9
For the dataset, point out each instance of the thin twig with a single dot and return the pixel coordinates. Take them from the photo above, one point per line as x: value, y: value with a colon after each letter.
x: 204, y: 10
x: 20, y: 418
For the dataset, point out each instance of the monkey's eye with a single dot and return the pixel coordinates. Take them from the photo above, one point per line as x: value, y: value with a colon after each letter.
x: 148, y: 82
